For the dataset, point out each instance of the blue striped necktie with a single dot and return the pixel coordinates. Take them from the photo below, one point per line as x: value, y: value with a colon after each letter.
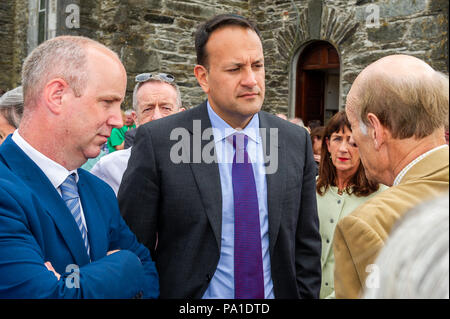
x: 69, y: 192
x: 248, y: 267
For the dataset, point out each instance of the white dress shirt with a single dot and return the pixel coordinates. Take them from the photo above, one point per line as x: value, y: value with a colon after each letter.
x: 110, y: 168
x: 56, y: 173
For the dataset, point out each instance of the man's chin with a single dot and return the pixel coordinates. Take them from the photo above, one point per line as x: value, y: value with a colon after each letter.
x: 92, y: 153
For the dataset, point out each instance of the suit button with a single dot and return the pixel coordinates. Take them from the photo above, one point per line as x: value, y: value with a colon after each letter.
x: 326, y: 284
x: 328, y: 241
x: 339, y: 201
x: 208, y: 277
x: 331, y: 220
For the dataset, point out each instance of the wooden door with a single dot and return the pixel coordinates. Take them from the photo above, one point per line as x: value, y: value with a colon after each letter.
x: 313, y: 63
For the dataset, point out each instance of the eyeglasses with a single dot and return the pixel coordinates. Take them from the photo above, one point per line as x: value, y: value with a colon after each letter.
x: 144, y: 77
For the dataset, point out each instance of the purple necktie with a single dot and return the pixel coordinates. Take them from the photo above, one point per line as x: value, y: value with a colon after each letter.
x: 248, y: 269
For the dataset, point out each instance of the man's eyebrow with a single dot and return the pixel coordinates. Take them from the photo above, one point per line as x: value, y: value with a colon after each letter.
x: 113, y: 97
x: 259, y: 61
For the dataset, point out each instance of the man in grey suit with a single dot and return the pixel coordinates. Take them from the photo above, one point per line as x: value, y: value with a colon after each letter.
x: 223, y: 194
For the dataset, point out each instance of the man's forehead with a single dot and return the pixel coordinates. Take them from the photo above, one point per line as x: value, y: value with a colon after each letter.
x: 155, y: 88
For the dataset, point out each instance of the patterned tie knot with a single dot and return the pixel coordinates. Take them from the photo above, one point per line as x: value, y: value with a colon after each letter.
x: 240, y: 141
x: 69, y: 188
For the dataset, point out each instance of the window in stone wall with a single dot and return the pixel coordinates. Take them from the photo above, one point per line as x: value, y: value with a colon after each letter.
x: 41, y: 21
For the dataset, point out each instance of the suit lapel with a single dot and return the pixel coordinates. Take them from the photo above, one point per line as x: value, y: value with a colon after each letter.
x: 98, y: 241
x: 206, y: 175
x: 21, y: 165
x: 275, y: 184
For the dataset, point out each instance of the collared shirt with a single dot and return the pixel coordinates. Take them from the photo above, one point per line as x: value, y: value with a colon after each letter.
x: 111, y: 167
x: 403, y: 172
x: 56, y: 173
x: 222, y: 283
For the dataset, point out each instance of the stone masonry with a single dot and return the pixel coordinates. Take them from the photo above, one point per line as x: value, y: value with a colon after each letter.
x: 157, y: 36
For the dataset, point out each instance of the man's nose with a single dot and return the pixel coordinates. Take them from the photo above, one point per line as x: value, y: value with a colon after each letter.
x: 248, y: 78
x: 115, y: 119
x: 156, y: 113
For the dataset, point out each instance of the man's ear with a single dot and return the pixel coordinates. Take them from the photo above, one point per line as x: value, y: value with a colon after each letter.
x: 376, y: 131
x: 201, y: 73
x: 53, y: 94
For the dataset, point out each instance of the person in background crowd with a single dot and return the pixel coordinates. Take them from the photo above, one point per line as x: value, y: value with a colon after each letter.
x: 341, y: 187
x: 154, y: 97
x: 231, y: 227
x: 316, y: 139
x: 313, y: 124
x: 117, y: 139
x: 281, y: 116
x: 11, y: 109
x: 414, y: 262
x: 61, y: 233
x: 397, y: 108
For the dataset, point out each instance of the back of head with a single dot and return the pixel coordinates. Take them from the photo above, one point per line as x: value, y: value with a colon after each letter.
x: 205, y: 30
x: 11, y: 106
x: 61, y: 57
x: 406, y: 94
x: 414, y: 263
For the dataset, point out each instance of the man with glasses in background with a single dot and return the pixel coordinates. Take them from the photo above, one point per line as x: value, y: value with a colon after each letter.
x: 154, y: 96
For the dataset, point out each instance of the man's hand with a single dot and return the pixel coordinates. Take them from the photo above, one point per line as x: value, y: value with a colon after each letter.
x: 50, y: 267
x: 112, y: 252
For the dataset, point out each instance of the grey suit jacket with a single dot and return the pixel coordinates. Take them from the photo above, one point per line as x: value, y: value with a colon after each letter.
x: 129, y: 138
x: 176, y: 209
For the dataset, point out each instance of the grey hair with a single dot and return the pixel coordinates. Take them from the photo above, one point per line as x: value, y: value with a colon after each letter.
x: 63, y: 57
x: 414, y: 263
x: 11, y: 106
x: 156, y: 78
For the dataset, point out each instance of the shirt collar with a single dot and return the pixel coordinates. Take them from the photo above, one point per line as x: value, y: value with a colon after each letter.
x: 56, y: 173
x: 403, y: 172
x: 222, y: 129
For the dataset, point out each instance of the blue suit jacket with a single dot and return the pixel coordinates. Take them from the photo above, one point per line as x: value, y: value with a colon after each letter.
x: 36, y: 226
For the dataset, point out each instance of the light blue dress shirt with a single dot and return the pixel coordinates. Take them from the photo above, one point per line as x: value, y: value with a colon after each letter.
x: 222, y: 283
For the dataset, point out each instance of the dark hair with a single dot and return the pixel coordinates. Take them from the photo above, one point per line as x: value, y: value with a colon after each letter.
x: 313, y: 124
x: 359, y: 184
x: 317, y: 132
x: 205, y: 30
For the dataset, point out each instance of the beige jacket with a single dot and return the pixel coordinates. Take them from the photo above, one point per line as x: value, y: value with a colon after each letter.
x: 360, y: 236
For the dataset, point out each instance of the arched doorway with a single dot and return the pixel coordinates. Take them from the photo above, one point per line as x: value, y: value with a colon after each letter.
x: 317, y: 91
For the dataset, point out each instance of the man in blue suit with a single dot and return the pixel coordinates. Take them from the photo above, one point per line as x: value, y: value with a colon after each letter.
x: 61, y: 233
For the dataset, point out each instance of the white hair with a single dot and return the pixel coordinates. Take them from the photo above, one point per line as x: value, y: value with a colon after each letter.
x: 11, y: 106
x: 363, y: 127
x: 414, y: 264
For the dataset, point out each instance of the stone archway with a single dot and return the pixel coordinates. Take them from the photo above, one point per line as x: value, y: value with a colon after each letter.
x: 317, y: 85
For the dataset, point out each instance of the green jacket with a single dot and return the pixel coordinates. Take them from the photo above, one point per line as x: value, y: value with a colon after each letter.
x: 331, y: 207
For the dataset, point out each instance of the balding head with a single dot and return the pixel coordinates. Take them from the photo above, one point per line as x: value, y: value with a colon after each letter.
x: 62, y: 57
x: 405, y: 93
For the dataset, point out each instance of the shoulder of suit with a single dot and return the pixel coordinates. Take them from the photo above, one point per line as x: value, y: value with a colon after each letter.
x: 382, y: 211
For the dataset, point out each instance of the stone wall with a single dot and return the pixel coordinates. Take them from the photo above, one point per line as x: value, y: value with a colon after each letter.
x: 414, y: 27
x: 13, y: 49
x: 157, y: 36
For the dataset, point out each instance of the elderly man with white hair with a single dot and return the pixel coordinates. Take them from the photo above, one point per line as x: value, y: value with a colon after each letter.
x: 154, y: 96
x: 11, y: 109
x: 397, y: 108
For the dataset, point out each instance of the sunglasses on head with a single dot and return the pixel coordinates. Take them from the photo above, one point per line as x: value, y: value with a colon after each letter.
x: 144, y: 77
